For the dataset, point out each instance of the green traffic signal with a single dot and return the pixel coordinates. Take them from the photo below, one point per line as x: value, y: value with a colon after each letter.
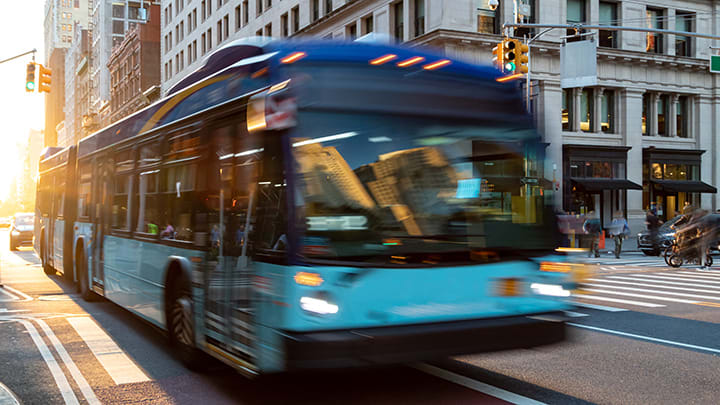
x: 510, y: 66
x: 30, y: 77
x: 30, y: 86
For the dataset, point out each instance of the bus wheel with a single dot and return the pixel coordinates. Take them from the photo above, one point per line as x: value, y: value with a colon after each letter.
x: 181, y: 324
x: 83, y: 283
x: 46, y: 267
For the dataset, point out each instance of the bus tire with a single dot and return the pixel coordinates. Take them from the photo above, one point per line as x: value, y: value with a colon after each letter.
x: 181, y: 323
x: 83, y: 287
x: 49, y: 270
x: 13, y: 247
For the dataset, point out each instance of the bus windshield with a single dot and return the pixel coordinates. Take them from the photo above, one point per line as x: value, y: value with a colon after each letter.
x: 373, y: 187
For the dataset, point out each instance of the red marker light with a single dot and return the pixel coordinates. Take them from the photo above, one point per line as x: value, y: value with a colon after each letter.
x: 293, y: 57
x: 383, y: 59
x: 437, y: 65
x: 411, y: 61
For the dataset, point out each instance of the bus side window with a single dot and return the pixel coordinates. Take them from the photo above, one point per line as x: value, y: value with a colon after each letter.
x: 178, y: 186
x: 148, y: 199
x: 271, y: 233
x: 84, y: 181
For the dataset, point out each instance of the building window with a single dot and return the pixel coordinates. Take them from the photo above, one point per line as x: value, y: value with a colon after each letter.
x: 587, y: 105
x: 295, y: 15
x: 209, y: 9
x: 368, y: 24
x: 238, y: 18
x: 567, y: 109
x: 182, y: 30
x: 189, y: 59
x: 194, y: 18
x: 576, y: 14
x: 528, y: 19
x: 608, y: 16
x: 662, y: 115
x: 681, y: 117
x: 209, y: 39
x: 399, y: 20
x: 268, y: 30
x: 246, y: 12
x: 259, y: 33
x: 351, y: 31
x: 268, y: 4
x: 194, y: 50
x: 118, y: 27
x: 226, y: 25
x: 328, y: 7
x: 182, y: 60
x: 118, y: 11
x: 683, y: 22
x: 219, y: 31
x: 284, y: 25
x: 189, y: 23
x: 607, y: 112
x: 203, y: 44
x: 258, y: 7
x: 419, y: 17
x: 171, y: 67
x: 645, y: 113
x: 654, y: 41
x: 203, y: 13
x: 314, y: 10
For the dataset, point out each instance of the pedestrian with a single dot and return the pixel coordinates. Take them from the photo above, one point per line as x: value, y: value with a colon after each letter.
x: 619, y: 230
x: 653, y: 225
x: 592, y: 228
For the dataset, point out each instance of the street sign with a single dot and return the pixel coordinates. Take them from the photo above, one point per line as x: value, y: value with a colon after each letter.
x: 714, y: 63
x: 578, y: 64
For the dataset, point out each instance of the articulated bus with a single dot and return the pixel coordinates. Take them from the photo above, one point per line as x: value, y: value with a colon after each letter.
x: 300, y: 205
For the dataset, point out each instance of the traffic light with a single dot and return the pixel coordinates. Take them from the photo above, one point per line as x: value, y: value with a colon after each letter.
x: 498, y: 55
x: 509, y: 55
x: 45, y: 79
x: 522, y: 58
x: 30, y: 77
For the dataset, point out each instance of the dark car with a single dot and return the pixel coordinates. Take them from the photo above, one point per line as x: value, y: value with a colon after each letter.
x: 666, y: 236
x: 21, y: 230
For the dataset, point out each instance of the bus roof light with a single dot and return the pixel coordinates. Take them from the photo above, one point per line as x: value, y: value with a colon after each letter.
x: 437, y: 65
x: 383, y: 59
x: 411, y: 61
x: 308, y: 279
x: 293, y: 57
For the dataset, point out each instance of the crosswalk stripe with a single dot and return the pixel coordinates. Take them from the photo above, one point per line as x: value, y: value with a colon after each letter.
x: 599, y: 307
x: 701, y: 275
x: 619, y: 301
x: 682, y: 301
x: 706, y: 297
x: 667, y: 276
x: 663, y: 281
x: 117, y: 364
x: 652, y: 285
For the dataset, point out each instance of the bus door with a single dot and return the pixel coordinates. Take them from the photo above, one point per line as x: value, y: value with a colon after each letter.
x: 103, y: 199
x: 233, y: 165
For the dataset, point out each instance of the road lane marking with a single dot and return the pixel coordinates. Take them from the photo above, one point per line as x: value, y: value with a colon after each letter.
x: 69, y: 364
x: 641, y: 296
x: 619, y: 301
x: 706, y: 297
x: 572, y: 314
x: 117, y: 364
x: 7, y: 397
x: 476, y: 385
x: 18, y: 295
x: 674, y: 278
x: 650, y: 338
x: 648, y: 285
x: 663, y: 282
x: 7, y: 294
x: 57, y: 373
x: 599, y: 307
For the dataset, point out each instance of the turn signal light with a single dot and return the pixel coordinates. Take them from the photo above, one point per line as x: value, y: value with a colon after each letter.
x: 555, y: 267
x: 309, y: 279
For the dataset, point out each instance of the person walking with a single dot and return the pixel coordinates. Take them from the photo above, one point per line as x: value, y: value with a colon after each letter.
x: 653, y: 225
x: 619, y: 230
x: 592, y: 228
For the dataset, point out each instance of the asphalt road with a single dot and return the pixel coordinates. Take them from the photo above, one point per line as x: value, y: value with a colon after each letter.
x: 661, y: 344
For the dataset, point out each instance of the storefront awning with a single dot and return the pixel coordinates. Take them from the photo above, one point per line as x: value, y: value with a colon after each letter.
x: 687, y: 186
x: 595, y: 184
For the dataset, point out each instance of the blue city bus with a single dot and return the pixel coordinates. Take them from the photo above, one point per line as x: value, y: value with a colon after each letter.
x: 315, y: 204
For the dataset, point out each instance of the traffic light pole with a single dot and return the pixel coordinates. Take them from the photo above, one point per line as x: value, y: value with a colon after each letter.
x: 578, y: 27
x: 20, y: 56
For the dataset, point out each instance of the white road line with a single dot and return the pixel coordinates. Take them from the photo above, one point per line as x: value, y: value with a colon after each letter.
x: 700, y: 275
x: 599, y: 307
x: 644, y: 290
x: 117, y: 364
x: 641, y: 296
x: 69, y: 364
x: 651, y: 285
x: 57, y: 373
x: 21, y: 295
x: 476, y: 385
x: 662, y: 282
x: 619, y: 301
x: 7, y: 397
x: 5, y: 310
x: 652, y: 339
x: 675, y: 278
x: 8, y: 294
x: 572, y: 314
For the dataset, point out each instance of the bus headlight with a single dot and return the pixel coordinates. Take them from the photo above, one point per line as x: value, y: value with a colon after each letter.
x: 318, y: 306
x: 554, y: 290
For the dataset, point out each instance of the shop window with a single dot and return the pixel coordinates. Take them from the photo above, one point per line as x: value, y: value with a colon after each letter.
x: 654, y: 41
x: 587, y: 102
x: 662, y: 115
x: 657, y: 171
x: 607, y: 112
x: 567, y: 110
x: 608, y: 16
x: 681, y: 117
x: 683, y: 22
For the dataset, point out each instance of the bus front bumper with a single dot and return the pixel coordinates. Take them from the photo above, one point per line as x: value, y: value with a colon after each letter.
x: 410, y: 343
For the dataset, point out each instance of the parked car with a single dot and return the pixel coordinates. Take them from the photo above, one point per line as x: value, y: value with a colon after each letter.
x: 5, y: 222
x: 21, y: 230
x: 666, y: 236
